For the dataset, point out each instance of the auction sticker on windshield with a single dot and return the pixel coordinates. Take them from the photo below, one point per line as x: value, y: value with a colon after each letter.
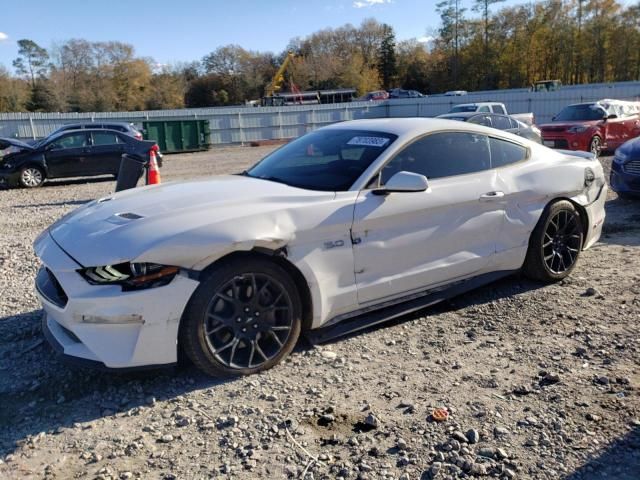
x: 368, y: 141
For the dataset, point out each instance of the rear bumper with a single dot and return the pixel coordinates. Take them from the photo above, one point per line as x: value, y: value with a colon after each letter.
x: 623, y: 182
x: 101, y: 325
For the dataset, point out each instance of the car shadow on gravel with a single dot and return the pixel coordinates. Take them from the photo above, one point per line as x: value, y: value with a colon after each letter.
x: 41, y: 393
x: 55, y: 204
x: 620, y: 460
x: 507, y: 287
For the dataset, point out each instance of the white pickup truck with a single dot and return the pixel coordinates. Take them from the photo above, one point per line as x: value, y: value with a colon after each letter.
x: 492, y: 107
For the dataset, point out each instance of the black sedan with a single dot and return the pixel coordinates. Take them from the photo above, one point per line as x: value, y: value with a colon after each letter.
x: 76, y: 153
x: 501, y: 122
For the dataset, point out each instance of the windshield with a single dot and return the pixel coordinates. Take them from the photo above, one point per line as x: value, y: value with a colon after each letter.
x: 580, y: 112
x: 463, y: 108
x: 328, y: 160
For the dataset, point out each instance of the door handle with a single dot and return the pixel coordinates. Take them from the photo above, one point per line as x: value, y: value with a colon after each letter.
x: 487, y: 197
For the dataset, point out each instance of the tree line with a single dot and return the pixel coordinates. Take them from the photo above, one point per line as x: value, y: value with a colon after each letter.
x: 477, y: 46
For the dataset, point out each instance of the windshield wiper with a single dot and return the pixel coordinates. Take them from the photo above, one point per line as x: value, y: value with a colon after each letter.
x: 270, y: 178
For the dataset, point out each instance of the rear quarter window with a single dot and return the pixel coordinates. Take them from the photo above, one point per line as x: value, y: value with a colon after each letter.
x: 505, y: 153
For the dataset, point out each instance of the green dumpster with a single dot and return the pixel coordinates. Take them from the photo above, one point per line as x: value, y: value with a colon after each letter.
x: 173, y: 136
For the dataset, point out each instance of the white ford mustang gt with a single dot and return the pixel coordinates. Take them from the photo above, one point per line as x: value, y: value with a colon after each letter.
x: 349, y: 225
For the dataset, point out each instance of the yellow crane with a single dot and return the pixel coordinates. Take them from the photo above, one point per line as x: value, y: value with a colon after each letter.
x: 278, y: 79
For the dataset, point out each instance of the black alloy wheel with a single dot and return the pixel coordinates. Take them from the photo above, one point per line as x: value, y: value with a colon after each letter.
x: 555, y: 243
x: 244, y: 317
x: 248, y: 321
x: 562, y: 241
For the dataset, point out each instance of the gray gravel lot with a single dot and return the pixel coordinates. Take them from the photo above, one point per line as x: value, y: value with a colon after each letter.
x: 541, y: 381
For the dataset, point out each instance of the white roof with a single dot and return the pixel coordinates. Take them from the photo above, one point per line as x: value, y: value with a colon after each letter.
x: 414, y: 126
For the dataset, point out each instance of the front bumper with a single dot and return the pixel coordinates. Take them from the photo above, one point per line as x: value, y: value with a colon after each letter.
x: 100, y: 325
x: 9, y: 178
x: 565, y: 141
x: 623, y: 182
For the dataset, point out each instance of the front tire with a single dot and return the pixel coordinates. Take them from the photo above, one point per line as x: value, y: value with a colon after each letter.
x: 555, y: 243
x: 31, y: 177
x: 244, y: 318
x: 595, y: 146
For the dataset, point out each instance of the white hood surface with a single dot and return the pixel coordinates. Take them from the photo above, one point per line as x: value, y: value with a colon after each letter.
x: 183, y: 223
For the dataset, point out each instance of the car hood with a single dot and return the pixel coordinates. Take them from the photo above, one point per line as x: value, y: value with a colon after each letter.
x: 181, y: 223
x: 12, y: 142
x: 630, y: 149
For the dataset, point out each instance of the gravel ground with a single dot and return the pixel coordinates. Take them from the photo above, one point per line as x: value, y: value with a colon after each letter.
x: 540, y: 381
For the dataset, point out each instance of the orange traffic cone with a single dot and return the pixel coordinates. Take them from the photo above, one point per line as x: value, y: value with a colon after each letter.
x: 153, y: 173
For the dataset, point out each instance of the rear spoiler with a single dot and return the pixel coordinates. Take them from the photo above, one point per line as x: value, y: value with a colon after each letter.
x: 577, y: 153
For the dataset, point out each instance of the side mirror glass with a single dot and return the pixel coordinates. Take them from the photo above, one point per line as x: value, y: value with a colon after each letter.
x: 612, y: 116
x: 404, y: 182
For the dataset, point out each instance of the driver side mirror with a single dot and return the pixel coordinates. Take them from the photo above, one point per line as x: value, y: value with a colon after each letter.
x: 50, y: 146
x: 403, y: 182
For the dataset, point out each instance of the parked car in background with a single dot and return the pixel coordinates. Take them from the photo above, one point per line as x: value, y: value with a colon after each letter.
x: 501, y: 122
x: 372, y: 96
x: 625, y: 169
x: 492, y: 107
x: 455, y: 93
x: 73, y: 153
x: 594, y: 126
x: 400, y: 93
x: 124, y: 127
x: 340, y: 229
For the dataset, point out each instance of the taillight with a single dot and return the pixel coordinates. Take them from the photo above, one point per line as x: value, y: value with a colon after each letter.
x: 139, y: 136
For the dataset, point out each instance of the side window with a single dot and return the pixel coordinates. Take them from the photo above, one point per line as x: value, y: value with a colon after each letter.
x: 77, y: 140
x: 505, y: 153
x: 499, y: 109
x: 484, y: 109
x: 501, y: 122
x: 481, y: 120
x: 441, y: 155
x: 104, y: 138
x: 514, y: 124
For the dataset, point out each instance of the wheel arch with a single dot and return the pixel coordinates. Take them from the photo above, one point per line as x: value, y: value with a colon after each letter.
x: 581, y: 211
x: 279, y: 257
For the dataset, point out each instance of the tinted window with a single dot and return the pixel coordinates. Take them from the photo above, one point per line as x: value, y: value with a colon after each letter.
x: 481, y: 120
x: 483, y: 109
x: 463, y: 108
x: 442, y: 155
x: 500, y: 122
x: 77, y: 140
x: 330, y: 160
x: 104, y: 138
x: 499, y: 109
x: 514, y: 123
x: 580, y: 112
x: 504, y: 153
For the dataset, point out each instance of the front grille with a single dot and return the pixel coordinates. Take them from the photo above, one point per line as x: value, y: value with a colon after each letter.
x: 553, y: 129
x: 632, y: 167
x: 50, y: 288
x: 556, y: 143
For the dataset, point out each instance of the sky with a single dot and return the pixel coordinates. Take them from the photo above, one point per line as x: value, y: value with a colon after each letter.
x: 172, y: 31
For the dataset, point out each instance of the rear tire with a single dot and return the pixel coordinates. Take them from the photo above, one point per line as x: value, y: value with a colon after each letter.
x: 31, y: 177
x: 245, y: 317
x: 555, y: 243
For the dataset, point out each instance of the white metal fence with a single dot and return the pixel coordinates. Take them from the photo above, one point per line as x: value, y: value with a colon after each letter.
x: 244, y: 124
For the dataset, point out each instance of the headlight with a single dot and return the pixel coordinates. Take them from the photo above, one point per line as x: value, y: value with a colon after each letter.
x: 132, y: 276
x: 577, y: 129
